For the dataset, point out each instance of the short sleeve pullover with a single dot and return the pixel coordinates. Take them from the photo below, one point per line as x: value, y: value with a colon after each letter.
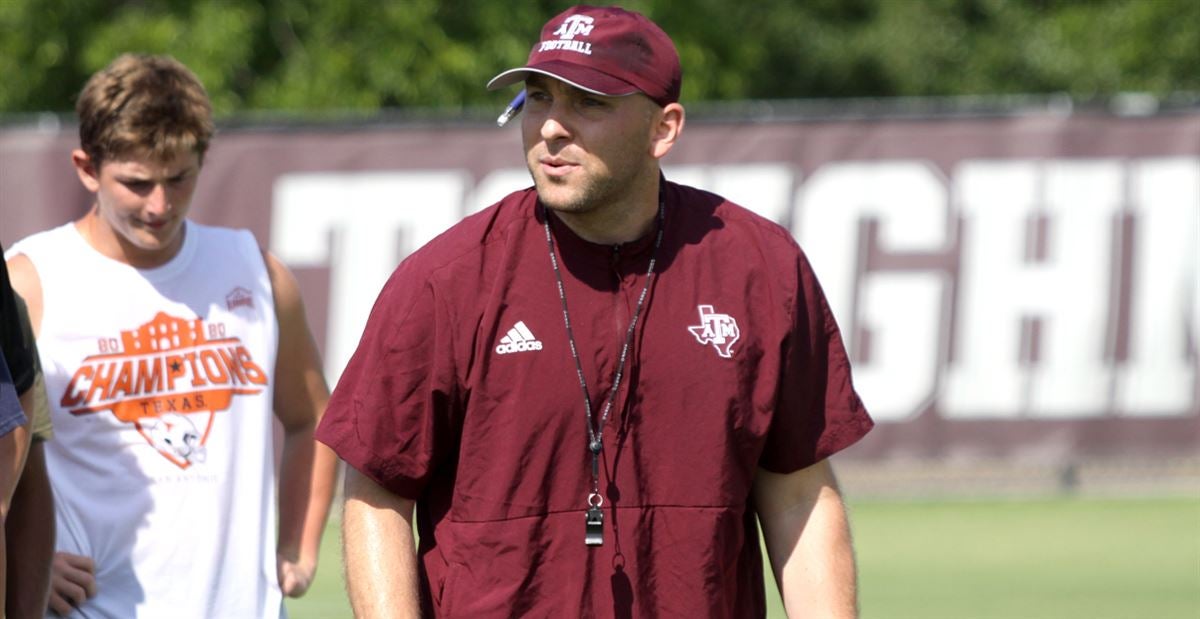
x: 464, y: 395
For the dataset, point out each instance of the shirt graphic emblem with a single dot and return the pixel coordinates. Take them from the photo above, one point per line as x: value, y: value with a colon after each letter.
x: 518, y: 339
x: 168, y: 378
x: 239, y: 297
x: 720, y: 330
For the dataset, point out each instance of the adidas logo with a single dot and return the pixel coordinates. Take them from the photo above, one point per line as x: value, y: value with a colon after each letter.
x: 519, y: 339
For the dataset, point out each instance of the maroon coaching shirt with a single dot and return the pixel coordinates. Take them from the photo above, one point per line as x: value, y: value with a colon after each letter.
x: 464, y: 396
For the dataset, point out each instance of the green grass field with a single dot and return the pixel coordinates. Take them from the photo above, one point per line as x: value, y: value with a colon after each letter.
x: 1053, y: 558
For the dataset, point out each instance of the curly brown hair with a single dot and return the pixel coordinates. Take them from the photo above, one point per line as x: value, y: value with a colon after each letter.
x: 143, y: 104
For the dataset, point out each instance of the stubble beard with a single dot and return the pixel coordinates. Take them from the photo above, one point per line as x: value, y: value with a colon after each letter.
x: 589, y: 195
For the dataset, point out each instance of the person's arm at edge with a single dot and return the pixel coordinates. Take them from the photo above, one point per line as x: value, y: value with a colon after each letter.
x: 8, y: 478
x: 29, y: 530
x: 13, y: 452
x: 16, y: 443
x: 308, y: 469
x: 377, y: 540
x: 72, y: 577
x: 14, y: 448
x: 808, y: 541
x: 13, y: 445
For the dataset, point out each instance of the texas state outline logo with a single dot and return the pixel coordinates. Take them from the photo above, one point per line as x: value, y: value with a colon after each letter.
x: 720, y: 330
x: 169, y: 377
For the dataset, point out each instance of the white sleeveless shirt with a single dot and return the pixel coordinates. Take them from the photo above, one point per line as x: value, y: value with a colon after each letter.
x: 161, y: 384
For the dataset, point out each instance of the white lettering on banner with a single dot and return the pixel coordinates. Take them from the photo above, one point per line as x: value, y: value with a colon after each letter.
x: 1000, y: 292
x: 1081, y: 200
x: 1036, y: 333
x: 1166, y: 284
x: 900, y: 310
x: 360, y: 225
x: 496, y: 185
x: 765, y: 189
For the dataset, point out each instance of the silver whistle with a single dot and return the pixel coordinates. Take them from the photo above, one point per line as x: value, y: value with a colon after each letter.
x: 595, y: 527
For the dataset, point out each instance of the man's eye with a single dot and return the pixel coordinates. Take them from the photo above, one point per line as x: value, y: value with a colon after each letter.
x: 138, y: 185
x: 593, y: 102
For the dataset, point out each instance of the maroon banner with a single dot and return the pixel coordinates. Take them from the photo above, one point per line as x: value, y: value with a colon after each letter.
x: 1010, y: 287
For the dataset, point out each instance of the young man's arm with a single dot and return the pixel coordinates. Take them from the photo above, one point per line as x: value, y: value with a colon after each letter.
x: 808, y: 541
x: 377, y: 539
x: 307, y: 468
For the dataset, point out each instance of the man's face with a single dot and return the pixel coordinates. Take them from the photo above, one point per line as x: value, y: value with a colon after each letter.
x: 142, y: 202
x: 584, y: 150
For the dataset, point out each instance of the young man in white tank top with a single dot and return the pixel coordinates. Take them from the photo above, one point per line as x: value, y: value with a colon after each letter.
x: 169, y: 349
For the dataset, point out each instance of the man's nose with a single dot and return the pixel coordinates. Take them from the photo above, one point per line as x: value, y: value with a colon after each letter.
x: 157, y: 201
x: 555, y: 124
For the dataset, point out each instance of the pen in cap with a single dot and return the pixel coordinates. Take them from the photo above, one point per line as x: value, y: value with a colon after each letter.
x: 512, y: 110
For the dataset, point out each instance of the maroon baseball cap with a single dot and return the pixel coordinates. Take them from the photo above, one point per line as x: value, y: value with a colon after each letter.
x: 604, y: 50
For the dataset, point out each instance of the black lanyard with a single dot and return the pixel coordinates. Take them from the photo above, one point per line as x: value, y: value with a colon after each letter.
x: 595, y: 516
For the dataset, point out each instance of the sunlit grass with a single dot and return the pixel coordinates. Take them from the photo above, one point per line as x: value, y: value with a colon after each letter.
x: 1057, y: 558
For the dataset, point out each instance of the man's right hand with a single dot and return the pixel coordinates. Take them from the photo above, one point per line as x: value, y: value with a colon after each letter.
x: 72, y: 582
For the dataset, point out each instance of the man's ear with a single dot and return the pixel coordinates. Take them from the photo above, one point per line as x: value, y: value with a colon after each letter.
x: 667, y: 129
x: 88, y: 171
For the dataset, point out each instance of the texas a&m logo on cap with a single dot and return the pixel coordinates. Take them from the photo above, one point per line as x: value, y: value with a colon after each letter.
x: 575, y: 25
x: 603, y: 50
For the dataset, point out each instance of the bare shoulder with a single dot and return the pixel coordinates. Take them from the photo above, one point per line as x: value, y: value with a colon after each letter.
x: 283, y: 285
x: 27, y: 283
x: 24, y: 276
x: 301, y: 391
x: 289, y: 304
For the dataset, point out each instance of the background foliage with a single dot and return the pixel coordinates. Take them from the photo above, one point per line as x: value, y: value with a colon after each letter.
x: 312, y: 55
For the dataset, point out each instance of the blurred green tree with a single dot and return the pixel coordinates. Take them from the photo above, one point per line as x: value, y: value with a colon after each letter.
x: 312, y: 55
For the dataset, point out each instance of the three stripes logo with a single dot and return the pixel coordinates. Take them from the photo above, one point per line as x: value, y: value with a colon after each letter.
x: 518, y: 339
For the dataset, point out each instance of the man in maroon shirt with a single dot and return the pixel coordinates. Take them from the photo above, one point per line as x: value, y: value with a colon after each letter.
x: 593, y: 391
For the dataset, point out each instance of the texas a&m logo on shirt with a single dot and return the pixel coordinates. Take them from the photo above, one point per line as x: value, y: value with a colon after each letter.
x: 169, y: 378
x: 720, y: 330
